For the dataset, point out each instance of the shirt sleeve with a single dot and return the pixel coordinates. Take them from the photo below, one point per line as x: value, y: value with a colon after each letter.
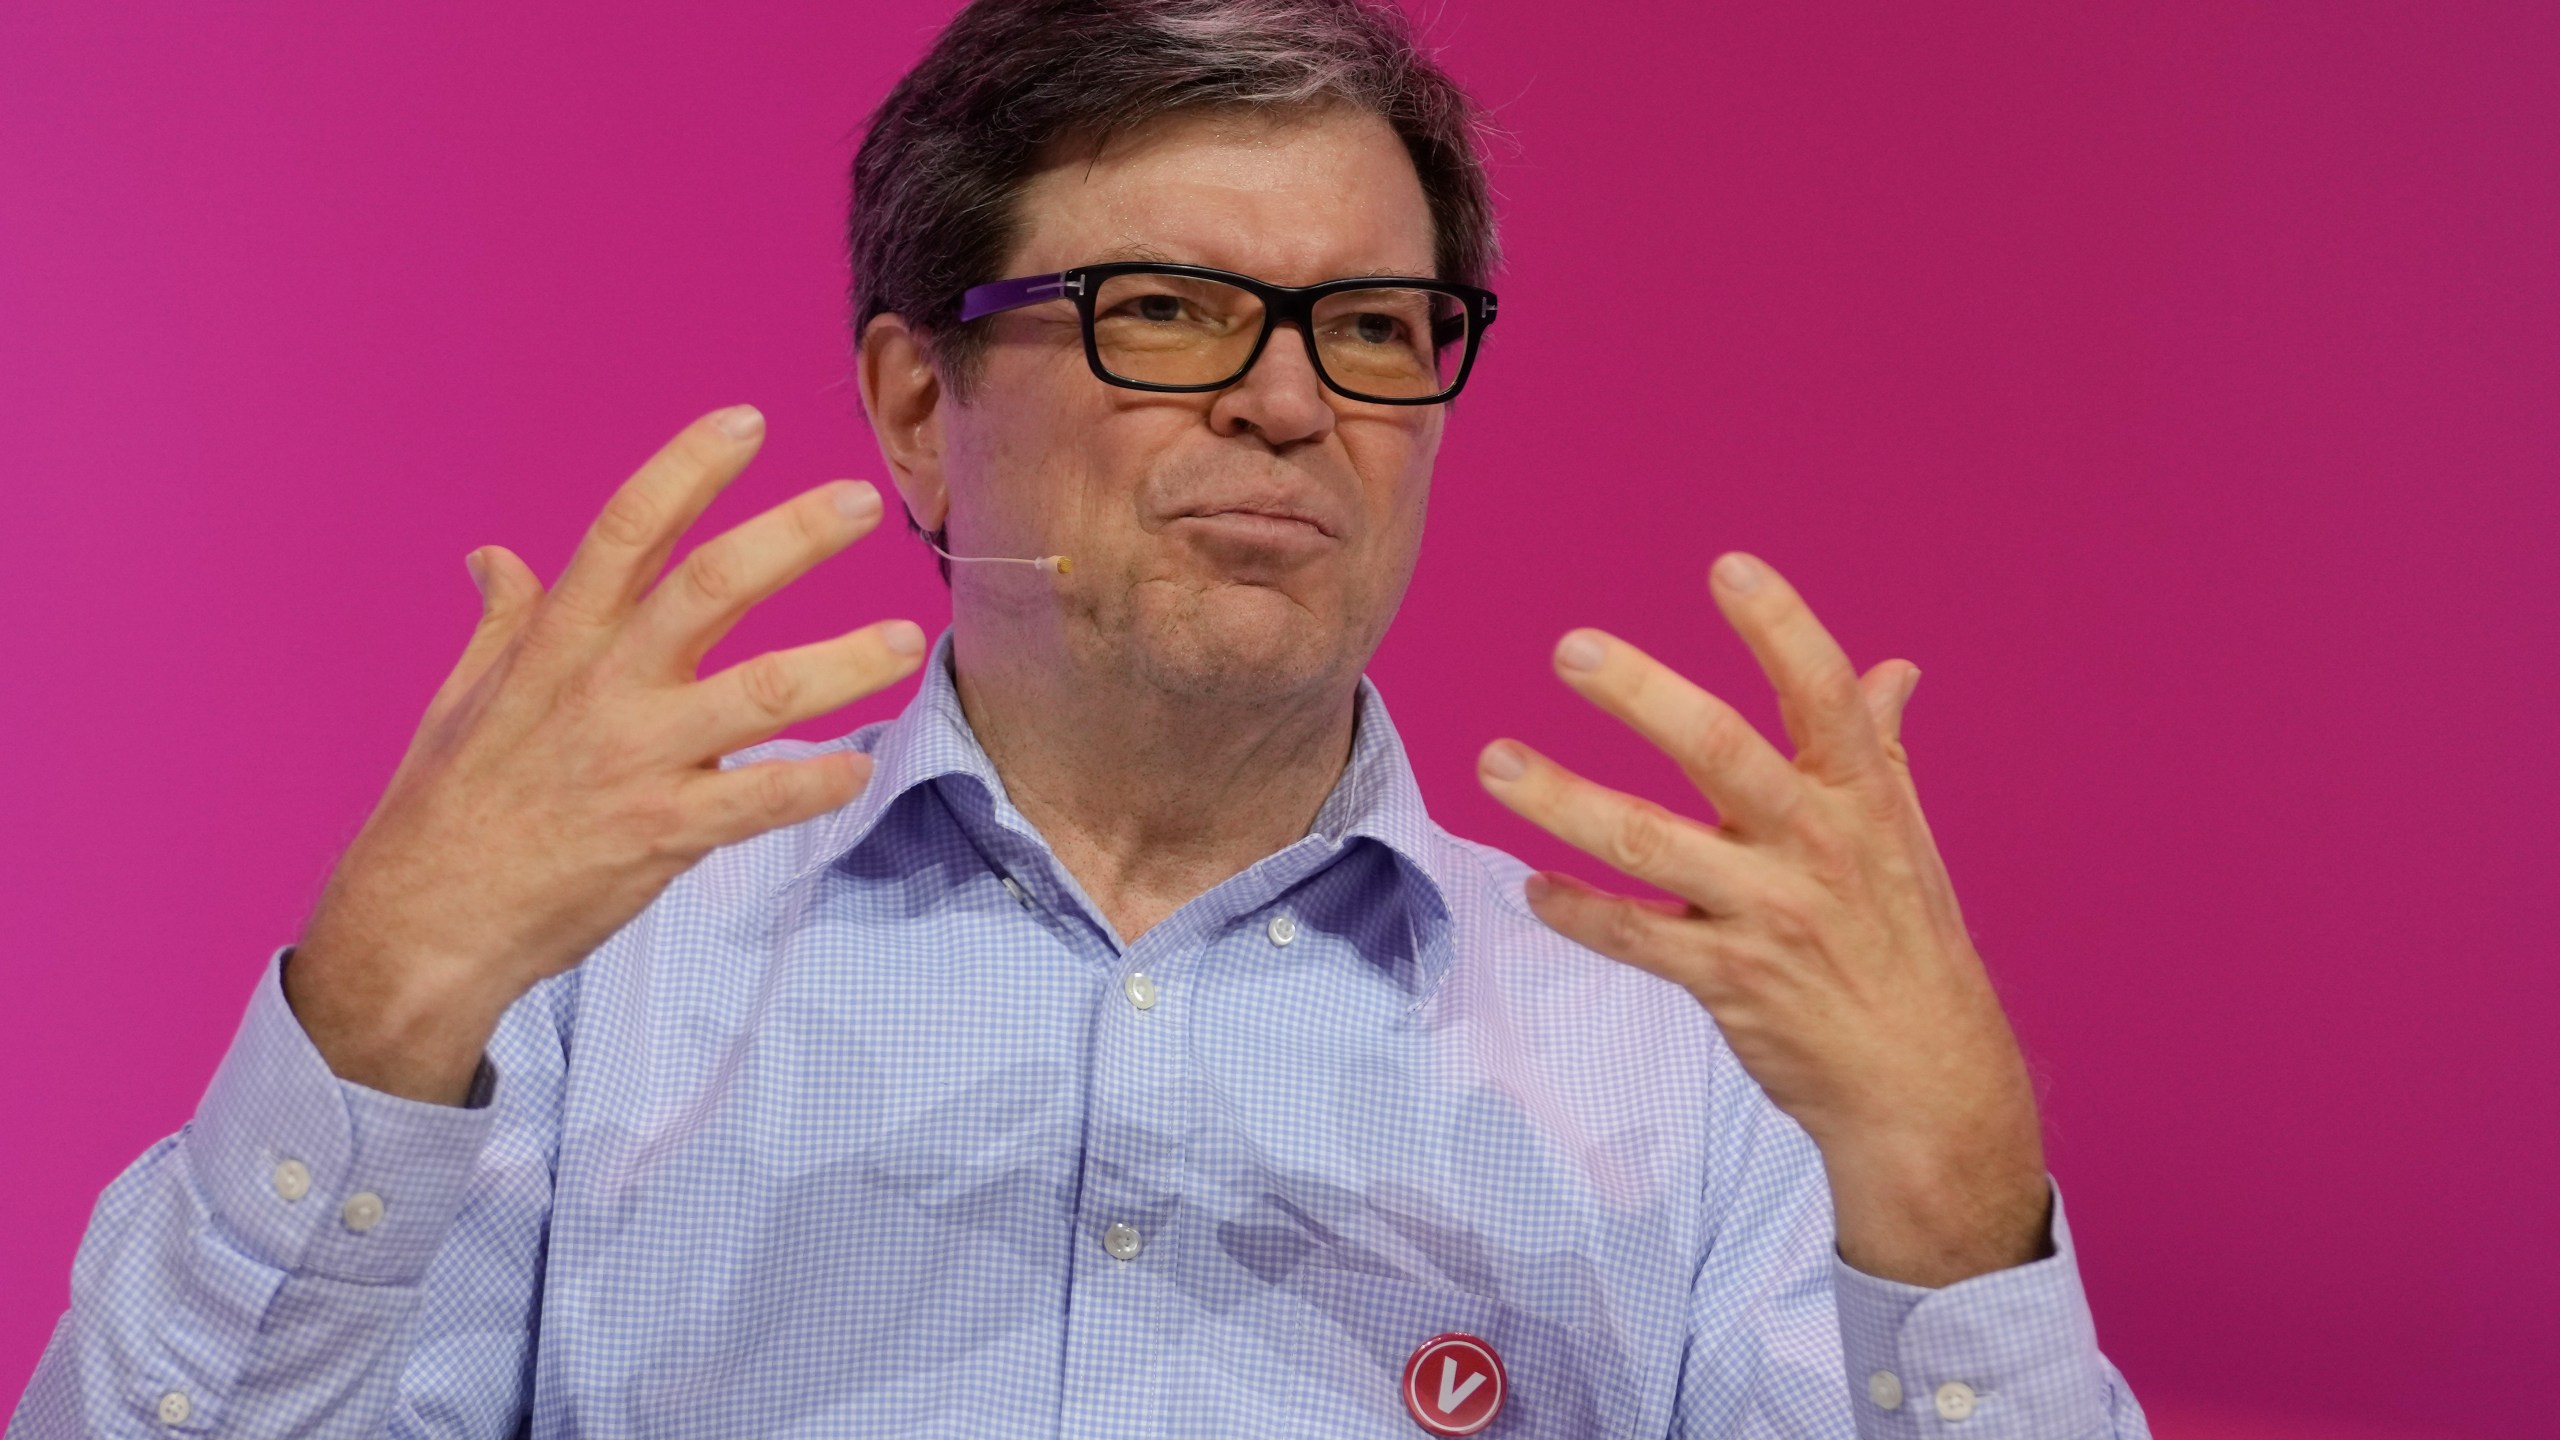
x: 309, y: 1256
x: 1787, y: 1339
x: 2011, y: 1353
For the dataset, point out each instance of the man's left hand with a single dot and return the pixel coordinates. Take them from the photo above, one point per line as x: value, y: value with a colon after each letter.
x: 1816, y: 923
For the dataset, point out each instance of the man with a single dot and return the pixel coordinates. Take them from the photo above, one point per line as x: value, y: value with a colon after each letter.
x: 1109, y: 1045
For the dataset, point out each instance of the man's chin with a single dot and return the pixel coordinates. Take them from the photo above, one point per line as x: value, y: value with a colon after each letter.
x: 1238, y: 644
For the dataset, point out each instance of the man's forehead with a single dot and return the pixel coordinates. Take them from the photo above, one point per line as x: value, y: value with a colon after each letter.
x: 1131, y: 248
x: 1329, y: 190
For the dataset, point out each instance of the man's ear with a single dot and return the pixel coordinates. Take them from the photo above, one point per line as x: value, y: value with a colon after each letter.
x: 903, y: 396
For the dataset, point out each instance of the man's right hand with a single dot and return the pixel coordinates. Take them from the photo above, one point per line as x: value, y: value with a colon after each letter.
x: 568, y: 770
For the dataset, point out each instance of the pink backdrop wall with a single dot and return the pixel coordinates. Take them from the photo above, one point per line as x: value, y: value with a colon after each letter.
x: 2175, y: 383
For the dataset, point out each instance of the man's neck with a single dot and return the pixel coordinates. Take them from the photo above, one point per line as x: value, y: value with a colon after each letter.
x: 1150, y: 799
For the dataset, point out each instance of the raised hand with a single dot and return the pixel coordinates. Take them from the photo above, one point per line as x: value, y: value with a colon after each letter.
x: 1817, y: 924
x: 568, y: 768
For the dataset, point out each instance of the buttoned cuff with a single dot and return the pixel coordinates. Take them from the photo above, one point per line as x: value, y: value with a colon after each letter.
x: 2012, y: 1354
x: 314, y: 1174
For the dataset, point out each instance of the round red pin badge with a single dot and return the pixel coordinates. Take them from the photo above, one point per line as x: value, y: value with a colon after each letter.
x: 1454, y: 1385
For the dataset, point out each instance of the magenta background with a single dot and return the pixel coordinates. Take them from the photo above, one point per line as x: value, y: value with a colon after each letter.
x: 2175, y: 383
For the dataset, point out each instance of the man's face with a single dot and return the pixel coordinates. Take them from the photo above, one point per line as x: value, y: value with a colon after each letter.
x: 1243, y: 544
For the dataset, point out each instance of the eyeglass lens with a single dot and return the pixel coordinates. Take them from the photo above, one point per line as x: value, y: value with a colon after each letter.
x: 1384, y: 341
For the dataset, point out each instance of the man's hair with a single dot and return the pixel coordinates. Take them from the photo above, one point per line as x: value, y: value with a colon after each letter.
x: 942, y: 163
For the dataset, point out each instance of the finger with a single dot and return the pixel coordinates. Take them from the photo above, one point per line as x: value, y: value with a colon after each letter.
x: 1817, y: 687
x: 508, y: 589
x: 1672, y: 852
x: 1887, y: 688
x: 715, y: 585
x: 1751, y: 785
x: 726, y: 806
x: 629, y: 541
x: 1660, y: 936
x: 755, y: 699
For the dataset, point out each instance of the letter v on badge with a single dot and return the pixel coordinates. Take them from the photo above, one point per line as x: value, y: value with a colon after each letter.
x: 1454, y: 1384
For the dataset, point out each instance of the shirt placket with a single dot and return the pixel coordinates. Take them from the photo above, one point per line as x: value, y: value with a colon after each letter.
x: 1130, y: 1191
x: 1131, y: 1219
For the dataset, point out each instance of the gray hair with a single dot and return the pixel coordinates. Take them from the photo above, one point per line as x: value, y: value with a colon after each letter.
x: 946, y: 154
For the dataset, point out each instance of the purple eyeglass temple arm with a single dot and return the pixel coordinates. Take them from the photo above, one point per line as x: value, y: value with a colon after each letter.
x: 1012, y: 294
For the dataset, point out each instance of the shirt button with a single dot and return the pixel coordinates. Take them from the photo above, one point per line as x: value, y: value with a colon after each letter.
x: 1955, y: 1400
x: 174, y: 1408
x: 1885, y: 1388
x: 362, y: 1211
x: 292, y: 1180
x: 1123, y: 1241
x: 1140, y: 990
x: 1282, y: 929
x: 1015, y: 891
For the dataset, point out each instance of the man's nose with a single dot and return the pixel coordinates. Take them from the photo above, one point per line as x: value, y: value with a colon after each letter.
x: 1280, y: 397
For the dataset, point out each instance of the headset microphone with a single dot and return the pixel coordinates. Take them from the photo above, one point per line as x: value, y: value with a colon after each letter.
x: 1049, y: 564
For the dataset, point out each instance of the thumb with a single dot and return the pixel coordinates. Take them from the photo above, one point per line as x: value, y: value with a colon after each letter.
x: 507, y: 585
x: 507, y: 589
x: 1887, y: 689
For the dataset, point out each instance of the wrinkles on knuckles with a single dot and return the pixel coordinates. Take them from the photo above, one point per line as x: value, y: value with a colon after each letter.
x: 714, y: 576
x: 666, y: 829
x: 613, y: 756
x: 772, y: 684
x: 1650, y: 937
x: 630, y: 520
x: 732, y: 805
x: 1641, y: 839
x: 1831, y: 686
x: 756, y: 697
x: 734, y: 571
x: 1791, y: 920
x: 1696, y: 729
x: 1634, y: 933
x: 781, y: 790
x: 1633, y: 835
x: 1714, y: 739
x: 588, y: 689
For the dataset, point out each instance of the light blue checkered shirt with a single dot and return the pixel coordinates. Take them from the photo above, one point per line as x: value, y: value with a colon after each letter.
x: 870, y: 1127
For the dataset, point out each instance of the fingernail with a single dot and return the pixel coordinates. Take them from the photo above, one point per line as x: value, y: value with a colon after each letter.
x: 1537, y: 887
x: 902, y: 637
x: 479, y: 569
x: 1738, y: 574
x: 740, y: 422
x: 1503, y: 761
x: 1910, y: 683
x: 857, y: 500
x: 1580, y: 651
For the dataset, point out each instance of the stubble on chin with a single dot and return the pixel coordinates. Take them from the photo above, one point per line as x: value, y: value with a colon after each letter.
x: 1231, y: 645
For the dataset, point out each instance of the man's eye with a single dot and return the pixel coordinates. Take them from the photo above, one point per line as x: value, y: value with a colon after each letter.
x: 1160, y: 308
x: 1373, y: 328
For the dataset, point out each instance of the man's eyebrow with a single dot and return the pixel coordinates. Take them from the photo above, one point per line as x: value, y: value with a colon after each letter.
x: 1135, y: 250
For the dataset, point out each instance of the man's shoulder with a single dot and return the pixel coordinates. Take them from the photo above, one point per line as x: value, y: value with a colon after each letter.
x: 1591, y: 1038
x: 1493, y: 927
x: 1481, y: 885
x: 761, y: 863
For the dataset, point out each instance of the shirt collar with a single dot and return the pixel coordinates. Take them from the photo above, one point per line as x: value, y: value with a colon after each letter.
x: 1376, y: 798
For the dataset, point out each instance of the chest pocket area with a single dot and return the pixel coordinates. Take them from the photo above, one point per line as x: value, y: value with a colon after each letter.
x: 1348, y: 1353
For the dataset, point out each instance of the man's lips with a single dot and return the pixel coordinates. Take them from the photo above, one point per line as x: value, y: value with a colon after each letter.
x: 1275, y: 523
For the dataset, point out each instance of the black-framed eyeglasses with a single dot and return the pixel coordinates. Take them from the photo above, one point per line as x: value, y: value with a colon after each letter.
x: 1388, y: 340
